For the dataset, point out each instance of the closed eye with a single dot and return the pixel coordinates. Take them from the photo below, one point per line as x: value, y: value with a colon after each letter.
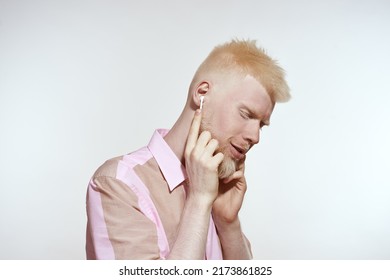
x: 244, y: 114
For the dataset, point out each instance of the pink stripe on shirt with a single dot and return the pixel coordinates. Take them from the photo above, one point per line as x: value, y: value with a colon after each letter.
x: 99, y: 235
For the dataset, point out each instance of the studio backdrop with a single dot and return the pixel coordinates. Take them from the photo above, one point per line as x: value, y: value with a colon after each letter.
x: 85, y: 81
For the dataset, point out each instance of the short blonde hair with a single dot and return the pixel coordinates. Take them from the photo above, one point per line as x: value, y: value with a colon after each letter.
x: 243, y: 57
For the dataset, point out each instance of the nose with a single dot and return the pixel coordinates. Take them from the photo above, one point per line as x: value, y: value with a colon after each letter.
x: 252, y: 133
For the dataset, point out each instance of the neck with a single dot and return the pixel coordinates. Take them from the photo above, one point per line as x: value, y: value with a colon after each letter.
x: 177, y: 136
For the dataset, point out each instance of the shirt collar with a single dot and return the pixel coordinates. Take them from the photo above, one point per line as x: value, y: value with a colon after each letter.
x: 170, y: 166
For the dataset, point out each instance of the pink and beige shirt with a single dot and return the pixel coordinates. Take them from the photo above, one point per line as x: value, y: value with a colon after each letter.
x: 134, y: 205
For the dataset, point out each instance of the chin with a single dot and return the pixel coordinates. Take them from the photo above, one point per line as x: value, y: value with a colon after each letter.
x: 227, y: 168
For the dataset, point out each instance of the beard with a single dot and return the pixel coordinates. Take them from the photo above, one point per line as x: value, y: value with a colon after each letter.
x: 228, y: 165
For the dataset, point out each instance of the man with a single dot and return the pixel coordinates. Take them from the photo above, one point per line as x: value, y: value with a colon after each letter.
x: 179, y: 197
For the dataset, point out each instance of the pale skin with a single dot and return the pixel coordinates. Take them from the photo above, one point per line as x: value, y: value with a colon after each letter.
x: 237, y: 113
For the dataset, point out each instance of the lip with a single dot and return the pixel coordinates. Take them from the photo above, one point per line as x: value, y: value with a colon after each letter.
x: 237, y: 152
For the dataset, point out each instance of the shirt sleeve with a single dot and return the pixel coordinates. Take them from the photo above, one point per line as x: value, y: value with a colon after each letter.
x: 116, y: 228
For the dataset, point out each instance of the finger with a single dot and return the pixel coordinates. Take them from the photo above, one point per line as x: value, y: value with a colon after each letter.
x: 211, y: 147
x: 202, y: 142
x: 194, y: 132
x: 217, y: 159
x: 235, y: 176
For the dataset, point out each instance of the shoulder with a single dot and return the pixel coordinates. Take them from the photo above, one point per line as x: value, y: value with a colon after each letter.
x: 122, y: 168
x: 108, y: 168
x: 124, y: 163
x: 105, y: 180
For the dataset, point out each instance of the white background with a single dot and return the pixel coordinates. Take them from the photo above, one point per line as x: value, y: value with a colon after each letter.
x: 83, y: 81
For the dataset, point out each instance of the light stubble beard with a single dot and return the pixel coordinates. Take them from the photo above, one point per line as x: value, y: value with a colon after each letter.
x: 228, y: 165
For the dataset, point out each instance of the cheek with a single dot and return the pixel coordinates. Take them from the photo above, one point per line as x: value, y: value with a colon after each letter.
x: 225, y: 125
x: 224, y: 121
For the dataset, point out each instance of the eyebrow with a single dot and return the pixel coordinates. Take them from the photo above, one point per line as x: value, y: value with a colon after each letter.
x: 253, y: 114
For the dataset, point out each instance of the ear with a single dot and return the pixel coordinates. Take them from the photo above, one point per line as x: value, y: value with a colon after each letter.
x: 201, y: 90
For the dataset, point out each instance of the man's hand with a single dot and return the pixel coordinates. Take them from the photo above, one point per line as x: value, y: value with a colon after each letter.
x: 201, y: 163
x: 202, y: 170
x: 230, y: 196
x: 225, y: 213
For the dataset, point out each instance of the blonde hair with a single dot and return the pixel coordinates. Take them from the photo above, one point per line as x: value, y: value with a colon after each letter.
x: 243, y: 57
